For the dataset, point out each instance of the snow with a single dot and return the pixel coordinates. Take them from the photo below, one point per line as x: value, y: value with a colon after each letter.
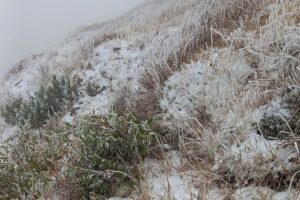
x: 258, y: 152
x: 115, y: 64
x: 172, y: 185
x: 248, y: 193
x: 119, y: 198
x: 252, y: 193
x: 164, y: 179
x: 216, y: 194
x: 181, y: 89
x: 68, y: 119
x: 202, y: 81
x: 8, y: 132
x: 44, y: 24
x: 221, y: 80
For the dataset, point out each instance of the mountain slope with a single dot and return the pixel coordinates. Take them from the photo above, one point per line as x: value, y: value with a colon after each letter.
x: 215, y: 82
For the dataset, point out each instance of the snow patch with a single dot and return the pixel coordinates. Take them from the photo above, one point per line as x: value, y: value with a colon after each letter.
x: 164, y: 180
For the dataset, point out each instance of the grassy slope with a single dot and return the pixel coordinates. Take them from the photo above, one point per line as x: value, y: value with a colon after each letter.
x: 207, y: 71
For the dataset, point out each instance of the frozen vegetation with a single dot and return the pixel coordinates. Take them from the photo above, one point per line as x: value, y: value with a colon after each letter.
x: 179, y: 100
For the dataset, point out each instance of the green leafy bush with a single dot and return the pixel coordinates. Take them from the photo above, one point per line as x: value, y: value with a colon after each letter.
x: 44, y: 104
x: 91, y: 160
x: 110, y: 149
x: 18, y: 182
x: 29, y: 161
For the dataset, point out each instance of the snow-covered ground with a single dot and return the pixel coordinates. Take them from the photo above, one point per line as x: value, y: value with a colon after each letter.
x: 33, y: 26
x: 225, y: 88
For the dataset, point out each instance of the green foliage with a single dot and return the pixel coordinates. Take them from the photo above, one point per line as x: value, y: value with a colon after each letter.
x: 109, y: 153
x: 100, y: 155
x: 27, y: 162
x: 43, y: 105
x: 21, y: 169
x: 9, y: 111
x: 17, y: 182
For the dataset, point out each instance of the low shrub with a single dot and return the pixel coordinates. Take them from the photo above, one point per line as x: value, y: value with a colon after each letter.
x: 21, y: 169
x: 30, y: 161
x: 93, y: 89
x: 19, y: 181
x: 47, y: 101
x: 110, y: 149
x: 274, y: 126
x: 95, y: 159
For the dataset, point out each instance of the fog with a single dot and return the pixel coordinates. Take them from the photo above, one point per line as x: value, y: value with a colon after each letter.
x: 32, y: 26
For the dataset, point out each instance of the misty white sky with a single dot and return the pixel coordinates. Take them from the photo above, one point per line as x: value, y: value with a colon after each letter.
x: 32, y: 26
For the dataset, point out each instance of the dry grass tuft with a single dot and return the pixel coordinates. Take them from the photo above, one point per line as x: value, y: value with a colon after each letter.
x: 123, y: 101
x: 151, y: 83
x: 105, y: 38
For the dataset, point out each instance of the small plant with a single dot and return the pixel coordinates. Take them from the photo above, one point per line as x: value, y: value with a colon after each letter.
x: 93, y: 89
x: 44, y: 104
x: 9, y: 111
x: 29, y: 161
x: 110, y: 149
x: 275, y: 126
x: 99, y: 161
x: 22, y: 170
x: 18, y: 182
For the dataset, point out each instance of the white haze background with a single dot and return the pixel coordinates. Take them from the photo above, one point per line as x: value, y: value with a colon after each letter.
x: 32, y: 26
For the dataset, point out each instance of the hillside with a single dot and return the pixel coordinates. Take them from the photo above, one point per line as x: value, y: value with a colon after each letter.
x: 178, y: 100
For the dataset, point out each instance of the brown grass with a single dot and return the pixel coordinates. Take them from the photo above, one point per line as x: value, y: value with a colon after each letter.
x: 107, y: 37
